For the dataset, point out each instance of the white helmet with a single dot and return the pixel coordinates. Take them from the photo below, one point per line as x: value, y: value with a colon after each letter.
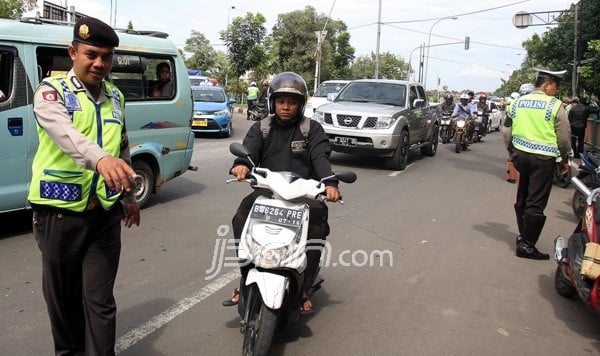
x: 252, y: 84
x: 514, y: 95
x: 526, y: 88
x: 464, y: 96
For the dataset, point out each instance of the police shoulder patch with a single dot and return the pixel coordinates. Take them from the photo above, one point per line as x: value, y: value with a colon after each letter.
x: 50, y: 95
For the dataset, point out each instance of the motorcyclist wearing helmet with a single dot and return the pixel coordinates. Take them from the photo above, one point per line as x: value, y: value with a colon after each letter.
x: 464, y: 109
x: 285, y: 148
x: 482, y: 107
x: 252, y: 96
x: 448, y: 104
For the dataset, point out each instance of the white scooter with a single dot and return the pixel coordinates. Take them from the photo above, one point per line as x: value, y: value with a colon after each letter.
x: 272, y: 251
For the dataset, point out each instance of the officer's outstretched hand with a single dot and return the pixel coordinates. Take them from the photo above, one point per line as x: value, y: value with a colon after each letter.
x: 116, y: 172
x: 564, y: 167
x: 240, y: 172
x: 333, y: 193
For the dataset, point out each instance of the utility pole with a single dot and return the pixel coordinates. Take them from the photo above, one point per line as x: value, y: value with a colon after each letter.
x: 378, y: 40
x: 575, y: 74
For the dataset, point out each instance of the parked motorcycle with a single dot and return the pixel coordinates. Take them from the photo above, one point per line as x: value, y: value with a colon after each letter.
x: 272, y: 251
x: 576, y: 271
x: 589, y: 173
x: 462, y: 135
x: 258, y: 111
x: 446, y: 126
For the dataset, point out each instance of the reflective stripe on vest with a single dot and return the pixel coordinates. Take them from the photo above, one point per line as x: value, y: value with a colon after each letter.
x: 533, y: 118
x: 56, y: 179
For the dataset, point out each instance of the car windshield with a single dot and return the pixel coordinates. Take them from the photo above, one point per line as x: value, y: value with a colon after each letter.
x: 209, y: 95
x: 374, y: 92
x: 326, y: 88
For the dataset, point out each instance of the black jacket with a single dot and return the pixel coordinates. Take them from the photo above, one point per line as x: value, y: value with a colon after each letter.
x: 285, y: 149
x: 578, y: 115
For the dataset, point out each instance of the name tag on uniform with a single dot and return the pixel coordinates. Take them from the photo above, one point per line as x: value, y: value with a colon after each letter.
x: 298, y: 146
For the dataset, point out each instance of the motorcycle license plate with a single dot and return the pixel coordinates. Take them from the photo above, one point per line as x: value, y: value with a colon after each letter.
x: 277, y: 215
x: 345, y: 141
x: 201, y: 123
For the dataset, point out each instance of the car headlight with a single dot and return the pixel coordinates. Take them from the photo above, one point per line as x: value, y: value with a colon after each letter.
x: 384, y: 122
x: 319, y: 116
x: 222, y: 112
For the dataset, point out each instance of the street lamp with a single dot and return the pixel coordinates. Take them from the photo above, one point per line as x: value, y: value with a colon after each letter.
x: 232, y: 7
x: 429, y: 43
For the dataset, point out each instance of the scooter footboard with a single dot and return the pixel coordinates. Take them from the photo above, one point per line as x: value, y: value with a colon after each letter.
x: 271, y: 286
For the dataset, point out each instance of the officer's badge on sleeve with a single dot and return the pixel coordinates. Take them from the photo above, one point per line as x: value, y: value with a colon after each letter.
x: 72, y: 103
x: 50, y: 95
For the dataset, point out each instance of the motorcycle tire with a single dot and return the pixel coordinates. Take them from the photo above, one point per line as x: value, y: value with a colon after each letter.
x: 562, y: 181
x: 258, y: 334
x: 458, y: 143
x: 563, y: 287
x: 578, y: 202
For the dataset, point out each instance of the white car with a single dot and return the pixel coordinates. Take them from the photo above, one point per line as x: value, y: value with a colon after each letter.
x: 496, y: 116
x: 320, y: 96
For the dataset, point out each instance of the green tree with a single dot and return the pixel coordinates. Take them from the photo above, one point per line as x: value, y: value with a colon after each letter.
x: 203, y: 54
x: 390, y: 67
x: 295, y: 44
x: 14, y: 9
x: 589, y: 73
x: 244, y: 39
x: 130, y: 25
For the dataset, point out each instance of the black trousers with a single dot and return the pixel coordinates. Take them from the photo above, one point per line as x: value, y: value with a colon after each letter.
x: 80, y: 258
x: 318, y: 229
x: 535, y: 181
x: 577, y: 139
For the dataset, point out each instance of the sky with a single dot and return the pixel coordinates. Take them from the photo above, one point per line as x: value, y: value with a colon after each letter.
x: 495, y: 43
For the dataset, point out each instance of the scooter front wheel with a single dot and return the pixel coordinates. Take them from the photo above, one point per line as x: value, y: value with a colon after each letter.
x: 260, y: 327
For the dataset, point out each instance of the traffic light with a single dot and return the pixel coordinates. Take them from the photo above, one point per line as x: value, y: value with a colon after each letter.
x: 467, y: 42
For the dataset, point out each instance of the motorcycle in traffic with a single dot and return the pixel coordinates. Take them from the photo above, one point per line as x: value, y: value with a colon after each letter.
x: 258, y: 111
x: 589, y: 173
x: 272, y: 252
x: 462, y: 134
x: 446, y: 132
x: 479, y: 127
x: 578, y: 257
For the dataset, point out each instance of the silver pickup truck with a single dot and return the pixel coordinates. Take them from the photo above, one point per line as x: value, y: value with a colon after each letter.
x: 380, y: 117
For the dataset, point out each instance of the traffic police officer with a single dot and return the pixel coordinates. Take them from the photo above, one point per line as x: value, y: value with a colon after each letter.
x: 540, y: 132
x: 81, y: 188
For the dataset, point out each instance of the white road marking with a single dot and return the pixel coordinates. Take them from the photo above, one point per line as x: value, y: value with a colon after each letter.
x: 395, y: 173
x: 137, y: 334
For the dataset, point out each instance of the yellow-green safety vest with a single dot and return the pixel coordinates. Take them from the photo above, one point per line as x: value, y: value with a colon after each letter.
x: 533, y: 116
x: 253, y: 93
x: 57, y: 180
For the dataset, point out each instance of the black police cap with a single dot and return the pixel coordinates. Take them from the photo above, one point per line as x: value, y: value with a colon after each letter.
x: 91, y: 31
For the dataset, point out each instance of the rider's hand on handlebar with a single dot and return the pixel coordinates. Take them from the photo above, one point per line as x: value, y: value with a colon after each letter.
x: 240, y: 172
x: 332, y: 193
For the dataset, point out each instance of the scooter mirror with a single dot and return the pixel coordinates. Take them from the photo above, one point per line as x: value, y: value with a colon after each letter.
x: 237, y: 149
x: 346, y: 177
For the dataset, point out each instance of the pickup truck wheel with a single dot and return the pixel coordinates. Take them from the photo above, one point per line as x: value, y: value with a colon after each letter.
x: 431, y: 148
x: 400, y: 158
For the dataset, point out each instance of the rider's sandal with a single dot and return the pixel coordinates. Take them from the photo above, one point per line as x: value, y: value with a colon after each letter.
x: 231, y: 302
x: 306, y: 311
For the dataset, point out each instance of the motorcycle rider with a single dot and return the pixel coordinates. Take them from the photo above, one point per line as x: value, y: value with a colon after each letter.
x: 465, y: 110
x: 285, y: 148
x: 447, y: 106
x: 252, y: 96
x: 482, y: 106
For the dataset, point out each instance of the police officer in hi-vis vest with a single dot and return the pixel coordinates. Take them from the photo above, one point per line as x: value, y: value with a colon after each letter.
x: 82, y: 186
x: 540, y: 132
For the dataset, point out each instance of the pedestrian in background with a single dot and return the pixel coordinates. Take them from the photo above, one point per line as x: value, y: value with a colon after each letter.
x: 540, y: 131
x: 578, y: 118
x: 81, y: 189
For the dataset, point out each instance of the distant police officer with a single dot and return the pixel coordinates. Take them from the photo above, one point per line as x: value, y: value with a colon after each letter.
x: 540, y: 132
x: 81, y: 188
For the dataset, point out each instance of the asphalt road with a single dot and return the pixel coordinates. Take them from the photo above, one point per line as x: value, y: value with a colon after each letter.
x: 421, y: 263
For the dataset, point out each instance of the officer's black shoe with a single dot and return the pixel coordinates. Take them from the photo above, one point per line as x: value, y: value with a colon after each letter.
x: 531, y: 252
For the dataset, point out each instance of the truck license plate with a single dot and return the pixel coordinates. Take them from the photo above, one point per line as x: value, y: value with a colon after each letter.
x: 345, y: 141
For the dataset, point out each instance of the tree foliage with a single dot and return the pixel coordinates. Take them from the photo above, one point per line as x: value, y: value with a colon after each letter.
x: 203, y: 54
x: 244, y: 39
x: 555, y: 50
x: 294, y: 45
x: 14, y: 9
x: 390, y: 67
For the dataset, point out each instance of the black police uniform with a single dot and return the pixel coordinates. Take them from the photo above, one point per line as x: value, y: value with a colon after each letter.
x: 285, y: 149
